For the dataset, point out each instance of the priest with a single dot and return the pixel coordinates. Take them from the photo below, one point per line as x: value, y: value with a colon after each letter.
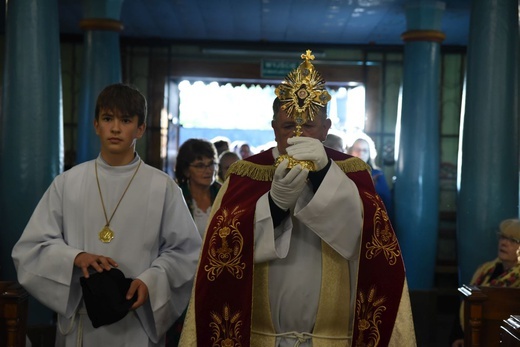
x: 299, y: 250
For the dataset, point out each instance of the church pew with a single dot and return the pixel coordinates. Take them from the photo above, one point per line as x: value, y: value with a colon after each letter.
x: 13, y: 314
x: 510, y: 332
x: 485, y: 309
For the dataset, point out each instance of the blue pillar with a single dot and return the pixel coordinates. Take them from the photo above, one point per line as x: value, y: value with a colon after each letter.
x: 101, y: 67
x: 488, y: 177
x: 31, y: 139
x: 417, y: 172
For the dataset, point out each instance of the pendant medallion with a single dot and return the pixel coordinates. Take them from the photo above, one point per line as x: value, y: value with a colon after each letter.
x: 106, y: 234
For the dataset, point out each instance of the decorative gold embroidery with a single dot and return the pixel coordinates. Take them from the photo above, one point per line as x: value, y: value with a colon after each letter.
x: 225, y: 246
x: 226, y: 331
x: 369, y: 310
x: 383, y: 240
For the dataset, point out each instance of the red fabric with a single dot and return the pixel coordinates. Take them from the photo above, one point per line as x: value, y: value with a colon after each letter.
x: 223, y: 305
x: 381, y: 271
x: 228, y: 288
x: 380, y: 267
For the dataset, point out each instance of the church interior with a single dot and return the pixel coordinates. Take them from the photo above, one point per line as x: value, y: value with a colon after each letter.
x: 441, y: 105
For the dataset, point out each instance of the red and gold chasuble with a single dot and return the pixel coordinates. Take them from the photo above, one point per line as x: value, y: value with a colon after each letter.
x: 222, y: 302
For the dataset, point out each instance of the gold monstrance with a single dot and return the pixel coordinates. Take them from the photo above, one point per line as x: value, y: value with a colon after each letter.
x: 301, y: 94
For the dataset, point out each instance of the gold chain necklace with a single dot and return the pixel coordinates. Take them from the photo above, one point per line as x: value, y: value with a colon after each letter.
x: 106, y: 234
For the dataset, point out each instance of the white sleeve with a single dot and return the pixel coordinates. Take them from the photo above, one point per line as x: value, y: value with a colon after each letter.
x: 170, y: 276
x: 334, y: 212
x: 267, y: 246
x: 43, y: 260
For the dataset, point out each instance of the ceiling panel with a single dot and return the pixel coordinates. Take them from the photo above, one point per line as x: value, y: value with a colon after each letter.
x: 362, y: 22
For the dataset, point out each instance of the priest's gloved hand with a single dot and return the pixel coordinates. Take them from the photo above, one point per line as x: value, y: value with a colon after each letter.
x: 287, y: 185
x: 308, y: 148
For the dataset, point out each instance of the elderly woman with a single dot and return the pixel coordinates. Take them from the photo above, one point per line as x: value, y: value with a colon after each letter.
x: 361, y: 149
x: 196, y: 173
x: 504, y: 271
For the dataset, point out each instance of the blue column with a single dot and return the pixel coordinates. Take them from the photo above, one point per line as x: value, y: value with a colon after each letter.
x: 31, y: 139
x: 488, y: 177
x: 417, y: 172
x: 101, y: 66
x: 31, y: 153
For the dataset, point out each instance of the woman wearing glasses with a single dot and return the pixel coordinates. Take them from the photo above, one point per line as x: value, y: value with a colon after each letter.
x: 504, y: 271
x: 196, y: 173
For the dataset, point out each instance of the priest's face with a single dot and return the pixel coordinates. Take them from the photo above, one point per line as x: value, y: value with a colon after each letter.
x: 118, y: 133
x: 285, y: 127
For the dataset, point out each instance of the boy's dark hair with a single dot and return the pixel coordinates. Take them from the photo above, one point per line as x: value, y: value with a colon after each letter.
x: 123, y: 97
x: 189, y: 151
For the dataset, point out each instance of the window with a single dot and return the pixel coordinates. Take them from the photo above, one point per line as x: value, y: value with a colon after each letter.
x: 243, y: 113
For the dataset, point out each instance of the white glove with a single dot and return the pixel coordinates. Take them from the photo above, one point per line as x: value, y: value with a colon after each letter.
x: 286, y: 187
x: 308, y: 148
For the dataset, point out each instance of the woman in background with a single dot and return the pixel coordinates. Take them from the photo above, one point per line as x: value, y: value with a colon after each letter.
x: 503, y: 271
x: 196, y: 173
x: 361, y: 149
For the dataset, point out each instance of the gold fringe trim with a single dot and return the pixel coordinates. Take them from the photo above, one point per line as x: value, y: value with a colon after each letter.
x: 265, y: 173
x: 255, y: 171
x: 353, y: 164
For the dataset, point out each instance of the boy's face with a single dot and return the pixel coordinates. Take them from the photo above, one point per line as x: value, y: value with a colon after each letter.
x: 118, y: 132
